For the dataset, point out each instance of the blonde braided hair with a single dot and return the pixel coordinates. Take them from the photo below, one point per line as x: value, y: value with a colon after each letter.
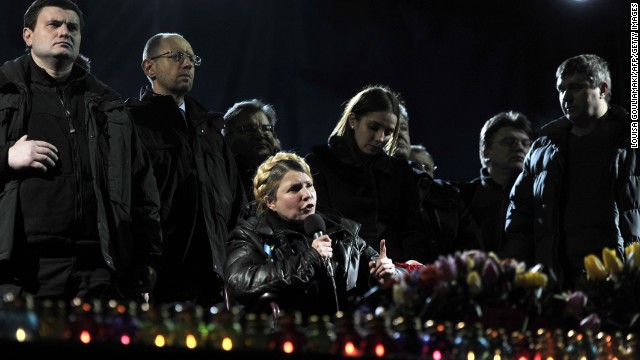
x: 270, y: 173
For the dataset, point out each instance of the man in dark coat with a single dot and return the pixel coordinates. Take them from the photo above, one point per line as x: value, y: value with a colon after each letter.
x: 504, y: 142
x: 579, y: 189
x: 200, y: 190
x: 249, y: 128
x: 78, y: 200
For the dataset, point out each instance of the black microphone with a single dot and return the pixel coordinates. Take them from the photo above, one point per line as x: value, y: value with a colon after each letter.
x: 315, y: 227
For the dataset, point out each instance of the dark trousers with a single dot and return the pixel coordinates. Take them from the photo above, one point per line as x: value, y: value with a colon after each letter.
x: 80, y: 272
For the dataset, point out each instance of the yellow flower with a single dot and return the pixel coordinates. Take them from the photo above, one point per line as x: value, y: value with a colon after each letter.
x: 633, y: 251
x: 531, y: 279
x: 474, y: 282
x: 611, y: 261
x: 494, y: 256
x: 540, y: 280
x: 595, y: 268
x: 470, y: 263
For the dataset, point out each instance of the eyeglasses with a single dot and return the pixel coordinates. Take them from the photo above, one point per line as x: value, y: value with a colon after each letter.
x: 425, y: 167
x: 179, y: 57
x: 249, y: 129
x: 513, y: 142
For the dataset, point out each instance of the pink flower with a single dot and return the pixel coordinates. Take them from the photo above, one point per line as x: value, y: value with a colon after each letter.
x: 490, y: 272
x: 576, y: 302
x: 461, y: 262
x: 447, y: 267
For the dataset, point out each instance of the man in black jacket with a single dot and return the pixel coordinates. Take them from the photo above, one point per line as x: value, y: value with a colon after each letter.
x: 200, y: 190
x: 78, y: 198
x: 578, y: 191
x: 504, y: 142
x: 249, y: 127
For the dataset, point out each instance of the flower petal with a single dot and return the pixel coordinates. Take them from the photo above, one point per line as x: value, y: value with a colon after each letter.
x: 611, y: 261
x: 594, y: 267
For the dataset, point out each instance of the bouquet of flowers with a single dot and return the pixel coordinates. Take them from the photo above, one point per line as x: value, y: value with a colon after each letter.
x: 472, y: 286
x: 612, y: 289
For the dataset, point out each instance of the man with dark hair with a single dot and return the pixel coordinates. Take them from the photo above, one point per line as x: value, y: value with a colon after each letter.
x: 578, y: 191
x: 200, y: 191
x: 249, y: 127
x: 505, y: 140
x: 422, y: 160
x: 78, y: 199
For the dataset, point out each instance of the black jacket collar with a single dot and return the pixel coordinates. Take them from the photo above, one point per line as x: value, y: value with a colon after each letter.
x: 261, y: 224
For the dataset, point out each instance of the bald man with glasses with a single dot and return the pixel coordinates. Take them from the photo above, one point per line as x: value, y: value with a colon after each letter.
x: 200, y: 190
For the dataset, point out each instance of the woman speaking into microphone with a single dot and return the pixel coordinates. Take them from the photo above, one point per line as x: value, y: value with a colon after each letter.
x: 312, y: 262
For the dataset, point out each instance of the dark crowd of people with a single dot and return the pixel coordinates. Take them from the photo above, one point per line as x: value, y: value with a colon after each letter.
x: 158, y: 199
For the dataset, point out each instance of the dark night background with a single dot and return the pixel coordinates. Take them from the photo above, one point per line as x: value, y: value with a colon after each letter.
x: 455, y: 65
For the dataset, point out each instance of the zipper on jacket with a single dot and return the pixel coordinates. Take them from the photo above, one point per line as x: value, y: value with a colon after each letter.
x: 67, y: 113
x: 77, y: 171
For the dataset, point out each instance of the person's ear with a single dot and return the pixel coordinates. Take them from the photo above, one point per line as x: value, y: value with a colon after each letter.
x: 352, y: 121
x: 26, y: 36
x: 148, y: 69
x: 486, y: 153
x: 604, y: 90
x: 271, y: 204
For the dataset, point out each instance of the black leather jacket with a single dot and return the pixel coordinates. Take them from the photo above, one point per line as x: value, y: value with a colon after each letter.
x: 269, y: 254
